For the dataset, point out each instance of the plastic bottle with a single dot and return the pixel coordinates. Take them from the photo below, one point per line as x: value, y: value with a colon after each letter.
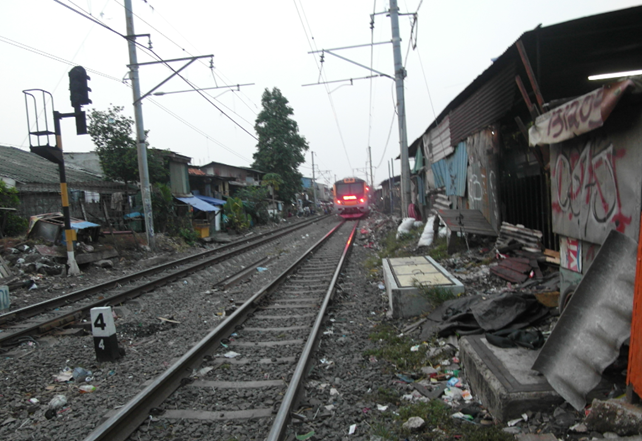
x: 86, y: 389
x: 80, y: 374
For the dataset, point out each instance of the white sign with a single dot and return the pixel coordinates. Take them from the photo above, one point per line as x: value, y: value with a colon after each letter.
x: 102, y: 322
x: 5, y: 300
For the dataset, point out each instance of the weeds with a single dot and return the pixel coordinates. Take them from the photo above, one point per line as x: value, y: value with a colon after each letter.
x: 395, y: 349
x: 436, y: 296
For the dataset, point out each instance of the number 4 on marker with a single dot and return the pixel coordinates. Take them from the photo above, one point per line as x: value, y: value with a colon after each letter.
x: 101, y: 345
x: 100, y: 322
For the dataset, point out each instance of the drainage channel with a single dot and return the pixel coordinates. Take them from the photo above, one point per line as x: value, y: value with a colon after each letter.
x: 244, y: 378
x: 68, y: 309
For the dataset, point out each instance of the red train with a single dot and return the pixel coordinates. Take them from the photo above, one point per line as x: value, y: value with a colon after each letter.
x: 351, y: 198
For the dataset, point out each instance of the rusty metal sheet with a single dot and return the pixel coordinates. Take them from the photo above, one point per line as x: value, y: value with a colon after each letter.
x: 508, y: 274
x: 470, y: 221
x: 483, y: 175
x: 596, y: 181
x: 594, y: 324
x: 578, y: 116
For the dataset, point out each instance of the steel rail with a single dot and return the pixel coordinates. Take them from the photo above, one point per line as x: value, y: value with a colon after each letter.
x: 129, y: 417
x: 128, y: 294
x: 35, y: 309
x: 291, y: 396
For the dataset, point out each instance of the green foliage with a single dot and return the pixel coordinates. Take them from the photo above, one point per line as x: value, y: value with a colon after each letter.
x: 436, y: 296
x: 236, y: 217
x: 255, y: 203
x: 280, y: 148
x: 8, y: 196
x: 439, y: 248
x: 395, y: 348
x: 165, y: 217
x: 189, y: 235
x: 112, y: 134
x: 13, y: 225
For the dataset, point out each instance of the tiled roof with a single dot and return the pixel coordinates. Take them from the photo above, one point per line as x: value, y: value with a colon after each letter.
x: 196, y: 171
x: 28, y: 168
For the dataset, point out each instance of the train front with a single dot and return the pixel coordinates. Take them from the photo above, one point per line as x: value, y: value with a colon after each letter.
x: 351, y: 199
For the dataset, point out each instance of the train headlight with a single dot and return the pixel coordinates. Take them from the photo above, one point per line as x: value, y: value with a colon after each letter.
x: 338, y: 202
x: 361, y: 200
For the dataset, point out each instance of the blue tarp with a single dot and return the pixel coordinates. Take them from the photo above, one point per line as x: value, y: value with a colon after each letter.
x: 210, y: 200
x: 199, y: 204
x: 81, y: 225
x: 451, y: 172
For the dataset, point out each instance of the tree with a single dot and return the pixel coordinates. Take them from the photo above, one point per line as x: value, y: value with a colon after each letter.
x: 280, y: 148
x: 111, y: 132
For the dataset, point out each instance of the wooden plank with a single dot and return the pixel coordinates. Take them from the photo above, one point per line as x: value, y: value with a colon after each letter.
x: 519, y: 267
x: 508, y: 274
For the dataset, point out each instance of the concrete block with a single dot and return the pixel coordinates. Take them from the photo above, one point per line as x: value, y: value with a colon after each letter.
x: 615, y: 416
x: 503, y: 379
x: 400, y: 274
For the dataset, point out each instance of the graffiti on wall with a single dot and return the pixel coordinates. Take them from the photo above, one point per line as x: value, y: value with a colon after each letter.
x: 586, y: 190
x: 482, y: 177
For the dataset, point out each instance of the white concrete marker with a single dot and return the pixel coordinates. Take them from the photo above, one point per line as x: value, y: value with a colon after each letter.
x: 104, y: 332
x: 5, y: 300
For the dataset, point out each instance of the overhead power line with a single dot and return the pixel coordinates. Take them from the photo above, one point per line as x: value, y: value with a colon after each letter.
x: 158, y: 58
x: 119, y: 80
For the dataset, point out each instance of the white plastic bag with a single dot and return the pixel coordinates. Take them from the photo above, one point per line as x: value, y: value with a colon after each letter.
x: 427, y: 236
x: 405, y: 226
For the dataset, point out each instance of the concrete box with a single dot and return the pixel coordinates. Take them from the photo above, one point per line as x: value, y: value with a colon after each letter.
x: 401, y: 273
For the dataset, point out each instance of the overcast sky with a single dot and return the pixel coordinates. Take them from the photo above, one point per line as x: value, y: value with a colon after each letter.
x: 265, y: 43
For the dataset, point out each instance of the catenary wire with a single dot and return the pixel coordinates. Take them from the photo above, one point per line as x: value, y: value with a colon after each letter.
x: 158, y: 58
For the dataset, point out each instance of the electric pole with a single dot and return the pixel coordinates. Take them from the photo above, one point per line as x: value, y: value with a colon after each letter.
x: 141, y: 143
x: 314, y: 184
x: 400, y: 74
x: 371, y: 175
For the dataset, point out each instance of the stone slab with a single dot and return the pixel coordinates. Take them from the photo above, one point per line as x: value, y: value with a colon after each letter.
x: 503, y: 379
x: 400, y: 275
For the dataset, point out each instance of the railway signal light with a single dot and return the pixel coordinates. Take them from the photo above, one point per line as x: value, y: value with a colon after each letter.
x: 78, y: 89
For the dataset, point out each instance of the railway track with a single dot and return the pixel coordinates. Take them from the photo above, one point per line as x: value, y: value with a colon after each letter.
x: 70, y: 308
x: 243, y: 379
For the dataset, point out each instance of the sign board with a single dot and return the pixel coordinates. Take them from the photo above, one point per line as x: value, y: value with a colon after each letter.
x: 104, y: 332
x: 5, y: 300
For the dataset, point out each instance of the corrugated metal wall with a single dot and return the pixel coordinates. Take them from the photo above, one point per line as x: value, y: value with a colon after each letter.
x: 436, y: 143
x: 451, y: 172
x: 484, y: 107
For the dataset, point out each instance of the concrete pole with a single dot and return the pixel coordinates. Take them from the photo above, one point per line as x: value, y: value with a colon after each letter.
x: 70, y: 235
x: 400, y: 74
x: 371, y: 175
x: 314, y: 183
x: 390, y: 188
x: 141, y: 144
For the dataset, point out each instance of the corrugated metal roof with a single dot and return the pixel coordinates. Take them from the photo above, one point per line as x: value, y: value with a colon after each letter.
x: 437, y: 143
x: 485, y: 106
x: 29, y: 168
x: 451, y: 172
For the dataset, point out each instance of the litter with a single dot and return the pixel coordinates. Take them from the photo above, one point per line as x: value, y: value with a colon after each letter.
x: 86, y: 389
x: 57, y: 402
x: 306, y: 436
x: 81, y: 374
x: 353, y: 429
x: 381, y: 286
x: 333, y: 391
x: 381, y: 408
x: 34, y: 400
x: 231, y: 354
x: 415, y: 348
x: 64, y: 375
x: 261, y: 269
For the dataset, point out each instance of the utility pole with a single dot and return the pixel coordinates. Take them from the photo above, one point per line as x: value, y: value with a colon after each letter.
x: 314, y: 184
x: 141, y: 143
x: 390, y: 188
x: 371, y: 175
x: 400, y: 74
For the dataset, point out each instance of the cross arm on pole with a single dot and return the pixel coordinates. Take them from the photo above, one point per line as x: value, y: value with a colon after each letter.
x: 359, y: 64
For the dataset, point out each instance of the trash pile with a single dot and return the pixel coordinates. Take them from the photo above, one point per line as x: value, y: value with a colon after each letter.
x: 443, y: 379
